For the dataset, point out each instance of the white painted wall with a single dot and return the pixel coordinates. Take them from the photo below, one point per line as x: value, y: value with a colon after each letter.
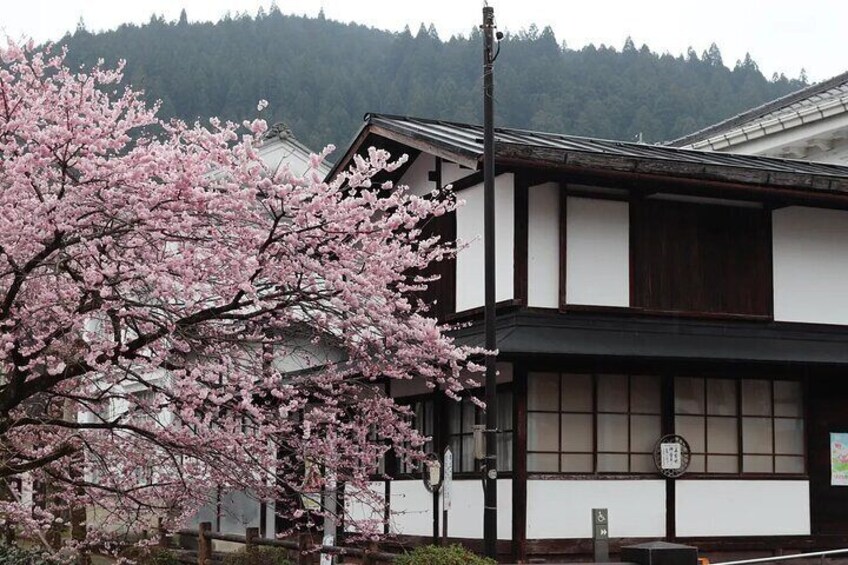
x: 597, y: 252
x: 810, y: 262
x: 465, y: 518
x: 411, y: 508
x: 742, y: 508
x: 451, y: 172
x: 562, y: 509
x: 543, y: 246
x: 370, y: 507
x: 416, y: 176
x: 469, y: 229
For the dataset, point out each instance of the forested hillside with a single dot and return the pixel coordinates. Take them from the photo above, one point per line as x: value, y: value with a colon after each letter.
x: 321, y: 76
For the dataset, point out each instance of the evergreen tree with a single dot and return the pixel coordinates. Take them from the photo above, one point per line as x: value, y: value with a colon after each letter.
x: 321, y: 76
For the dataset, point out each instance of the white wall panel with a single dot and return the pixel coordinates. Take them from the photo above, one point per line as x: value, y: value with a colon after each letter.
x: 451, y: 172
x: 469, y: 229
x: 416, y: 176
x: 370, y: 507
x: 465, y: 518
x: 412, y: 508
x: 597, y: 252
x: 742, y: 508
x: 543, y: 246
x: 810, y: 258
x: 562, y: 509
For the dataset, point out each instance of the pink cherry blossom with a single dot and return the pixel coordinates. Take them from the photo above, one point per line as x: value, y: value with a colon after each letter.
x: 177, y: 318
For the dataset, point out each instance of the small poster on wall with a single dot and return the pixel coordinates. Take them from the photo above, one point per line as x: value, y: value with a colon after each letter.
x: 839, y: 459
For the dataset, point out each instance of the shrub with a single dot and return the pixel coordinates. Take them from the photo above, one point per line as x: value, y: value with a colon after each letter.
x: 157, y: 556
x: 435, y: 555
x: 13, y: 555
x: 258, y: 556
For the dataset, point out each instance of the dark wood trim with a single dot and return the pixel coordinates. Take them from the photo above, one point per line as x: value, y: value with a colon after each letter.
x: 667, y: 427
x: 521, y: 236
x: 467, y: 181
x: 590, y: 195
x: 657, y: 173
x: 563, y: 246
x: 519, y: 462
x: 636, y: 311
x: 478, y: 311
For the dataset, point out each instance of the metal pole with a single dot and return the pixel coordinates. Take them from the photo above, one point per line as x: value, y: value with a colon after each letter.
x: 490, y: 512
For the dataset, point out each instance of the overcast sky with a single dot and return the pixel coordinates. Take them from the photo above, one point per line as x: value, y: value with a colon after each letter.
x: 782, y: 36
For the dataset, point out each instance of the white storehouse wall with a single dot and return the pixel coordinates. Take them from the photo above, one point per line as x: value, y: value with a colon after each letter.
x: 543, y: 267
x: 810, y: 262
x: 561, y: 509
x: 742, y: 508
x: 597, y: 252
x: 469, y: 229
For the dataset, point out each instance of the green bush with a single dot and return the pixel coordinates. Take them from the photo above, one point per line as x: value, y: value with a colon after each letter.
x: 13, y: 555
x: 435, y: 555
x: 157, y: 556
x: 258, y: 556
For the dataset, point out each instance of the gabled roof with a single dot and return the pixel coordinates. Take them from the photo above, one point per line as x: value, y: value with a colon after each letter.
x: 463, y: 144
x: 805, y: 101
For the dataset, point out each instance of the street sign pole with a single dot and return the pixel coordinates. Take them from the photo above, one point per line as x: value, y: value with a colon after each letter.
x: 447, y: 491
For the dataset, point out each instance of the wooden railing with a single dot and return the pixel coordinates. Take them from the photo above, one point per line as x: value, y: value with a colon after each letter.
x: 302, y: 550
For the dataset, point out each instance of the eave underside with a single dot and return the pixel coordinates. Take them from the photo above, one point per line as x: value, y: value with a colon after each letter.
x: 634, y: 337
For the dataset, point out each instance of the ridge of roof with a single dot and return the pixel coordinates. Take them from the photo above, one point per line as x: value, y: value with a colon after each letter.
x: 760, y: 111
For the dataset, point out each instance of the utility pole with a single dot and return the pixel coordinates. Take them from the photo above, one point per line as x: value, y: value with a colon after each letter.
x: 490, y: 502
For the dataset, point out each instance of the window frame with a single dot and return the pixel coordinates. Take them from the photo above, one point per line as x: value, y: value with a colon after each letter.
x: 594, y: 413
x: 739, y: 417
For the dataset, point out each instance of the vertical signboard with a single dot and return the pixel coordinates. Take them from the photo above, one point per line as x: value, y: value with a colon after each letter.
x: 600, y: 534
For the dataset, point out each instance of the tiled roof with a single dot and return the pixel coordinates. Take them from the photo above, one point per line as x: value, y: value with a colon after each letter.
x: 808, y: 97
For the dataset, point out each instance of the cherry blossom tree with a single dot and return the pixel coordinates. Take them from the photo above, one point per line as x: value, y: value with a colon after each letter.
x: 177, y: 318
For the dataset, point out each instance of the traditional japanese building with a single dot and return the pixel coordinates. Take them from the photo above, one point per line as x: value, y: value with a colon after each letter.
x: 811, y: 123
x: 642, y: 291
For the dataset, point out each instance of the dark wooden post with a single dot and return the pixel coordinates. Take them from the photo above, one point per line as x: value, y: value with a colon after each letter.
x: 250, y: 537
x: 161, y: 534
x: 204, y: 544
x: 368, y: 557
x: 303, y: 553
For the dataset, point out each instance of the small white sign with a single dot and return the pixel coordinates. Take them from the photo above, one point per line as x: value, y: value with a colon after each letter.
x: 447, y: 484
x: 671, y: 456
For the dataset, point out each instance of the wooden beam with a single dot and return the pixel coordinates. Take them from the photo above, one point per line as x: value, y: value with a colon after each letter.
x: 521, y: 235
x: 563, y: 245
x: 519, y: 462
x: 664, y: 169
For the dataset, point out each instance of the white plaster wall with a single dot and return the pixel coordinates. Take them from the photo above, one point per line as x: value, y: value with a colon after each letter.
x: 416, y: 176
x: 411, y: 509
x: 810, y: 262
x: 469, y: 229
x: 563, y: 509
x: 451, y: 172
x: 465, y: 518
x: 597, y: 252
x: 370, y: 507
x: 543, y: 246
x: 742, y: 508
